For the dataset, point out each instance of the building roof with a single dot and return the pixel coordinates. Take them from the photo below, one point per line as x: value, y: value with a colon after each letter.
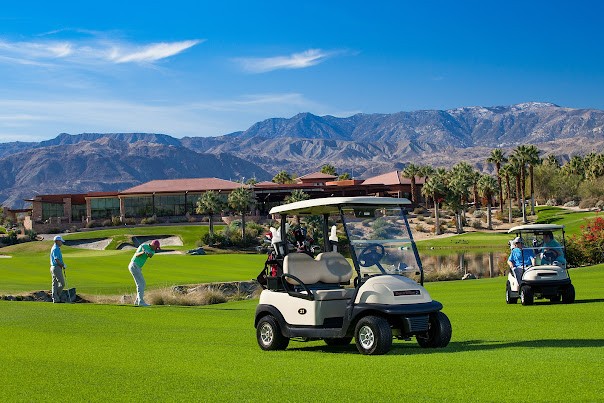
x: 317, y: 175
x: 331, y: 204
x: 183, y: 185
x: 58, y: 199
x: 392, y: 178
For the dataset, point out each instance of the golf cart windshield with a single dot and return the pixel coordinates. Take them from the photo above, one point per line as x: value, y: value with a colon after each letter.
x: 545, y: 242
x: 381, y: 241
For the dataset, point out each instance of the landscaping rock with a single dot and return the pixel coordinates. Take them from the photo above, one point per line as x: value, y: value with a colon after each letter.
x: 469, y: 276
x: 69, y: 295
x: 196, y: 251
x: 41, y: 296
x: 126, y: 299
x: 181, y: 289
x: 10, y: 298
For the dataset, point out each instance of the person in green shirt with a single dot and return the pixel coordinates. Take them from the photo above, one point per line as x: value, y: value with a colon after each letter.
x: 135, y: 267
x: 553, y: 252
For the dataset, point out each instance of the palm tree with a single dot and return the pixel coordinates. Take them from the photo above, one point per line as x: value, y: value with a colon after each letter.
x: 435, y: 187
x: 410, y: 172
x: 553, y: 161
x: 251, y: 181
x: 575, y: 166
x: 463, y: 173
x: 521, y: 157
x: 344, y: 177
x: 241, y: 200
x: 209, y: 203
x: 427, y: 171
x: 497, y: 157
x: 457, y: 190
x: 533, y: 159
x: 488, y: 186
x: 328, y: 170
x: 474, y: 177
x: 296, y: 196
x: 282, y: 177
x: 507, y: 171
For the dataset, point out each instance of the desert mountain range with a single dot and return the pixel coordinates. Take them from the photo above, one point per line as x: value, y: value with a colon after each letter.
x: 364, y: 145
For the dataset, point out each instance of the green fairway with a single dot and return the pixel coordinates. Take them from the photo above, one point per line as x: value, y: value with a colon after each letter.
x: 546, y: 352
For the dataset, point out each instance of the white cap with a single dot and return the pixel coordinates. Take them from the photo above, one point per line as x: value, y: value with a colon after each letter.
x: 58, y: 238
x: 517, y: 239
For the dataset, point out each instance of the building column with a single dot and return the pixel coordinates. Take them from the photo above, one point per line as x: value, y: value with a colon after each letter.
x: 88, y: 210
x: 122, y: 209
x: 67, y: 209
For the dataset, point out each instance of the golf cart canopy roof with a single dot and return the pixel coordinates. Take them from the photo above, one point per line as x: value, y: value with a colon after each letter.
x: 536, y: 227
x: 330, y: 205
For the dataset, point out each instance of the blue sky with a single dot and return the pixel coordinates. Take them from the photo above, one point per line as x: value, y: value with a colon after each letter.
x: 196, y: 68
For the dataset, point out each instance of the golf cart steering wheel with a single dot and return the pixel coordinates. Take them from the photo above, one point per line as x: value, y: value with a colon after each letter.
x: 372, y: 255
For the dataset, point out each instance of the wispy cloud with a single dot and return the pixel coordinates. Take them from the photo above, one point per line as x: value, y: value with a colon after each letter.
x: 308, y: 58
x: 89, y: 51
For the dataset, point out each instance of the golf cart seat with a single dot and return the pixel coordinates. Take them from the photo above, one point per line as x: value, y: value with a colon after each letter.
x: 323, y: 275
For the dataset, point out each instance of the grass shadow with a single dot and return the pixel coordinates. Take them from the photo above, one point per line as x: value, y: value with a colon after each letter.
x: 462, y: 346
x: 588, y: 301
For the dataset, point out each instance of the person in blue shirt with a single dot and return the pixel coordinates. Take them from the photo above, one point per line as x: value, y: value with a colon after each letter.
x: 552, y: 253
x: 56, y: 269
x: 520, y: 258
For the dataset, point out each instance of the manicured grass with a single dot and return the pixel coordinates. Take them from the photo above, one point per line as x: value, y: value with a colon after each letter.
x: 570, y: 219
x: 546, y: 352
x: 106, y: 272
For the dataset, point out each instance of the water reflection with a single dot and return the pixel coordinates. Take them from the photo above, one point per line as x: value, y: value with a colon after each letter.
x: 481, y: 264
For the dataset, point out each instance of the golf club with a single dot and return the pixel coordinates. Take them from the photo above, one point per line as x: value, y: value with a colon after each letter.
x: 134, y: 236
x: 67, y: 285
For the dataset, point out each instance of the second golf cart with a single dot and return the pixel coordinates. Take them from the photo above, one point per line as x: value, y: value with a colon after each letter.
x: 548, y: 277
x: 306, y: 298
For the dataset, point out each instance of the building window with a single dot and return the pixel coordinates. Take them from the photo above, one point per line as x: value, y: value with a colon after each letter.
x: 78, y: 211
x: 104, y: 207
x: 51, y: 210
x: 138, y: 206
x: 170, y: 205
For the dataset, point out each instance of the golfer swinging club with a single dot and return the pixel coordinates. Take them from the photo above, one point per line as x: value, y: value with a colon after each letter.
x: 56, y: 269
x: 135, y: 267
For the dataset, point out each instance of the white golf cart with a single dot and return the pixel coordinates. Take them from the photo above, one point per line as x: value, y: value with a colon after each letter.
x: 305, y: 297
x: 548, y: 278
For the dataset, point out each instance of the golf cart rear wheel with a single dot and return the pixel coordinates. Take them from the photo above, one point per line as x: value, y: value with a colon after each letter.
x: 526, y: 295
x: 569, y: 295
x: 338, y: 341
x: 373, y: 335
x: 269, y: 334
x: 439, y: 332
x: 508, y: 294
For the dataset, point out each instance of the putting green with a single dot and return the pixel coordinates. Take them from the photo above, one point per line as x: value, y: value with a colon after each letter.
x: 546, y: 352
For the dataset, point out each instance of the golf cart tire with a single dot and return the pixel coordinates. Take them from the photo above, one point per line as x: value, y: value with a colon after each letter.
x: 439, y: 333
x: 338, y: 341
x: 269, y: 334
x: 508, y: 294
x: 569, y: 295
x: 526, y: 295
x: 373, y: 335
x: 555, y: 299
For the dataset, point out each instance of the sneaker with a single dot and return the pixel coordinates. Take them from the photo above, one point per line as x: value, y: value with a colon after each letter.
x: 143, y: 303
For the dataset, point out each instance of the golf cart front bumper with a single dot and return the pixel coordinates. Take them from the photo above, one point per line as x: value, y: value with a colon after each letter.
x: 548, y: 288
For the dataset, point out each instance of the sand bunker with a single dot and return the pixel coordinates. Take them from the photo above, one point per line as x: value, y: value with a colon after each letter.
x: 94, y: 243
x: 102, y: 243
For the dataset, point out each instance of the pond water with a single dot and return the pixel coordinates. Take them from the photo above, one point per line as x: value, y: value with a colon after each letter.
x: 483, y: 264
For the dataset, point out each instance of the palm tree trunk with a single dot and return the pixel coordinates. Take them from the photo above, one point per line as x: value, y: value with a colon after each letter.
x: 518, y: 191
x: 532, y: 190
x: 210, y: 243
x: 489, y: 222
x: 523, y: 188
x: 500, y: 190
x: 509, y: 188
x: 437, y: 232
x: 413, y: 198
x: 243, y: 227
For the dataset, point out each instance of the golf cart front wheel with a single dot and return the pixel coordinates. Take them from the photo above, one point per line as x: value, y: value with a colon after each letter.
x: 338, y: 341
x: 439, y: 332
x: 373, y: 335
x: 569, y: 295
x: 508, y: 294
x: 526, y: 295
x: 269, y: 334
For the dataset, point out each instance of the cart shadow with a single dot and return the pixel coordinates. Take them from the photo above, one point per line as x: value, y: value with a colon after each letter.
x: 588, y: 301
x: 462, y: 346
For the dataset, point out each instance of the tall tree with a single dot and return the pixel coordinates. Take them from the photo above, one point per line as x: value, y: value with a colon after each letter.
x: 282, y: 177
x: 435, y: 188
x: 344, y: 177
x: 241, y: 200
x: 474, y: 178
x: 552, y: 160
x: 487, y: 186
x: 411, y: 172
x: 426, y: 171
x: 209, y: 203
x: 328, y: 170
x: 296, y: 196
x: 463, y: 173
x: 507, y: 171
x: 520, y: 156
x: 251, y: 181
x: 497, y: 157
x: 532, y: 160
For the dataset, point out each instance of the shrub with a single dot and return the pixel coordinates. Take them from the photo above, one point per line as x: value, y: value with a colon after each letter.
x: 205, y: 219
x: 420, y: 218
x: 107, y: 223
x: 148, y: 221
x: 178, y: 219
x: 420, y: 228
x: 130, y: 221
x: 478, y: 214
x: 54, y: 231
x: 588, y: 247
x: 116, y: 221
x: 419, y: 210
x: 588, y: 203
x: 31, y: 234
x: 571, y: 203
x: 217, y: 238
x: 600, y: 204
x: 444, y: 273
x: 11, y: 238
x: 91, y: 224
x: 477, y: 224
x: 551, y: 202
x: 430, y: 221
x: 169, y: 296
x: 443, y: 228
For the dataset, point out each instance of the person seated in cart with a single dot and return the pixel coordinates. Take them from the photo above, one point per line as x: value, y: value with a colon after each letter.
x: 520, y: 258
x: 552, y: 252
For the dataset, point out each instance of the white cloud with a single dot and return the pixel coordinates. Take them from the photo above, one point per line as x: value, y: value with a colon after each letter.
x: 310, y: 57
x: 88, y: 51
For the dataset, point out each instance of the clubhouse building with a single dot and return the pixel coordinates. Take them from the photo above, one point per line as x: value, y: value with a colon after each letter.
x: 176, y: 199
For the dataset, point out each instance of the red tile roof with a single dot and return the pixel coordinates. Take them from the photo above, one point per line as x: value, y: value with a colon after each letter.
x: 183, y: 185
x: 317, y: 175
x: 392, y: 178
